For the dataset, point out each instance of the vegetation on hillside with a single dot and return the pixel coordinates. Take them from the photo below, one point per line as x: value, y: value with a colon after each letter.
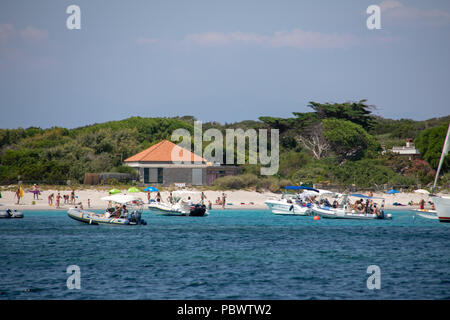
x: 338, y: 143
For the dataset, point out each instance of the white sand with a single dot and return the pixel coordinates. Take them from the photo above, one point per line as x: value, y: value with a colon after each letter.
x: 235, y: 198
x: 239, y: 199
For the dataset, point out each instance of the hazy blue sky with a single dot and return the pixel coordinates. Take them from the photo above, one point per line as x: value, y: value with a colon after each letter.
x: 219, y: 60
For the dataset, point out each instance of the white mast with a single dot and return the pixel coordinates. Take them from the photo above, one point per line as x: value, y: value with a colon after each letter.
x: 445, y: 151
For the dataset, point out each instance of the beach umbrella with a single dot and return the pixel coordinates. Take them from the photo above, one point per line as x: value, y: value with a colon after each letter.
x: 151, y: 189
x: 392, y: 191
x: 133, y: 189
x: 114, y: 191
x: 421, y: 191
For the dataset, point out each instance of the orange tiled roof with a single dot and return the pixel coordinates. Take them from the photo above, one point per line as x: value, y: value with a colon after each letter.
x: 162, y: 152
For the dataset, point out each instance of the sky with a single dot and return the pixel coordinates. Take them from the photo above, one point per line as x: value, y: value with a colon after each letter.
x: 222, y: 61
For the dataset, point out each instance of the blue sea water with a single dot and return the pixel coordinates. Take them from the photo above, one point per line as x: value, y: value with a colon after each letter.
x: 230, y: 254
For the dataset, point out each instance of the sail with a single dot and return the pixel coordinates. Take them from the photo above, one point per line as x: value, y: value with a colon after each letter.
x: 445, y: 151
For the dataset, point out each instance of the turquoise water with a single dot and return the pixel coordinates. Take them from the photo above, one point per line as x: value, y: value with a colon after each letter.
x: 228, y: 255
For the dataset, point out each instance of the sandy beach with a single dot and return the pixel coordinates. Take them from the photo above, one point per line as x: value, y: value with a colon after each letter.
x: 239, y: 199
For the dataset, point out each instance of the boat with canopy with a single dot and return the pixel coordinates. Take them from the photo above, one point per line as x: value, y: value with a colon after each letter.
x: 293, y: 203
x: 123, y: 210
x: 178, y: 206
x: 364, y: 208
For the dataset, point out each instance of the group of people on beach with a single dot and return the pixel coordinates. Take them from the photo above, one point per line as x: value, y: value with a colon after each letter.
x: 68, y: 199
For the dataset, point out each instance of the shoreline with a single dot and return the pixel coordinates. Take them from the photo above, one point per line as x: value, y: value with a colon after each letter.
x: 236, y: 199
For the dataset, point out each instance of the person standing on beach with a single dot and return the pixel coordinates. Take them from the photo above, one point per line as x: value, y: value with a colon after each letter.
x: 89, y: 203
x: 203, y: 197
x: 224, y: 197
x: 50, y: 199
x: 35, y: 192
x: 72, y: 196
x: 18, y: 195
x: 148, y: 196
x: 58, y: 200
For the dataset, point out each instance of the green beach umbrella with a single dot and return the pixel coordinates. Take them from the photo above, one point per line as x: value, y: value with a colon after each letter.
x: 133, y: 189
x: 114, y: 191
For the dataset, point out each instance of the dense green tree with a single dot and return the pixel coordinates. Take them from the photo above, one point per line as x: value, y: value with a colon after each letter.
x: 347, y: 139
x: 356, y: 112
x: 430, y: 143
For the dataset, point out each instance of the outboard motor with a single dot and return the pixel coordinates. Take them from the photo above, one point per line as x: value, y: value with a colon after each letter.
x: 136, y: 217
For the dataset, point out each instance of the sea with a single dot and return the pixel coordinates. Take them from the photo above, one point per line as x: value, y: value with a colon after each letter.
x: 230, y: 254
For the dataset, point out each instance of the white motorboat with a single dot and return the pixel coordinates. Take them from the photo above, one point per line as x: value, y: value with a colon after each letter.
x: 133, y: 205
x: 179, y: 207
x: 442, y: 204
x: 9, y: 214
x: 427, y: 211
x: 344, y: 210
x: 292, y: 204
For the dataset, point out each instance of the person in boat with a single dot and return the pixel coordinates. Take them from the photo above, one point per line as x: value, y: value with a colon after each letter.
x: 335, y: 204
x: 378, y: 211
x: 170, y: 198
x: 367, y: 206
x: 360, y: 207
x: 158, y: 197
x: 118, y: 212
x: 189, y: 202
x: 422, y: 204
x: 355, y: 205
x: 326, y: 202
x: 125, y: 211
